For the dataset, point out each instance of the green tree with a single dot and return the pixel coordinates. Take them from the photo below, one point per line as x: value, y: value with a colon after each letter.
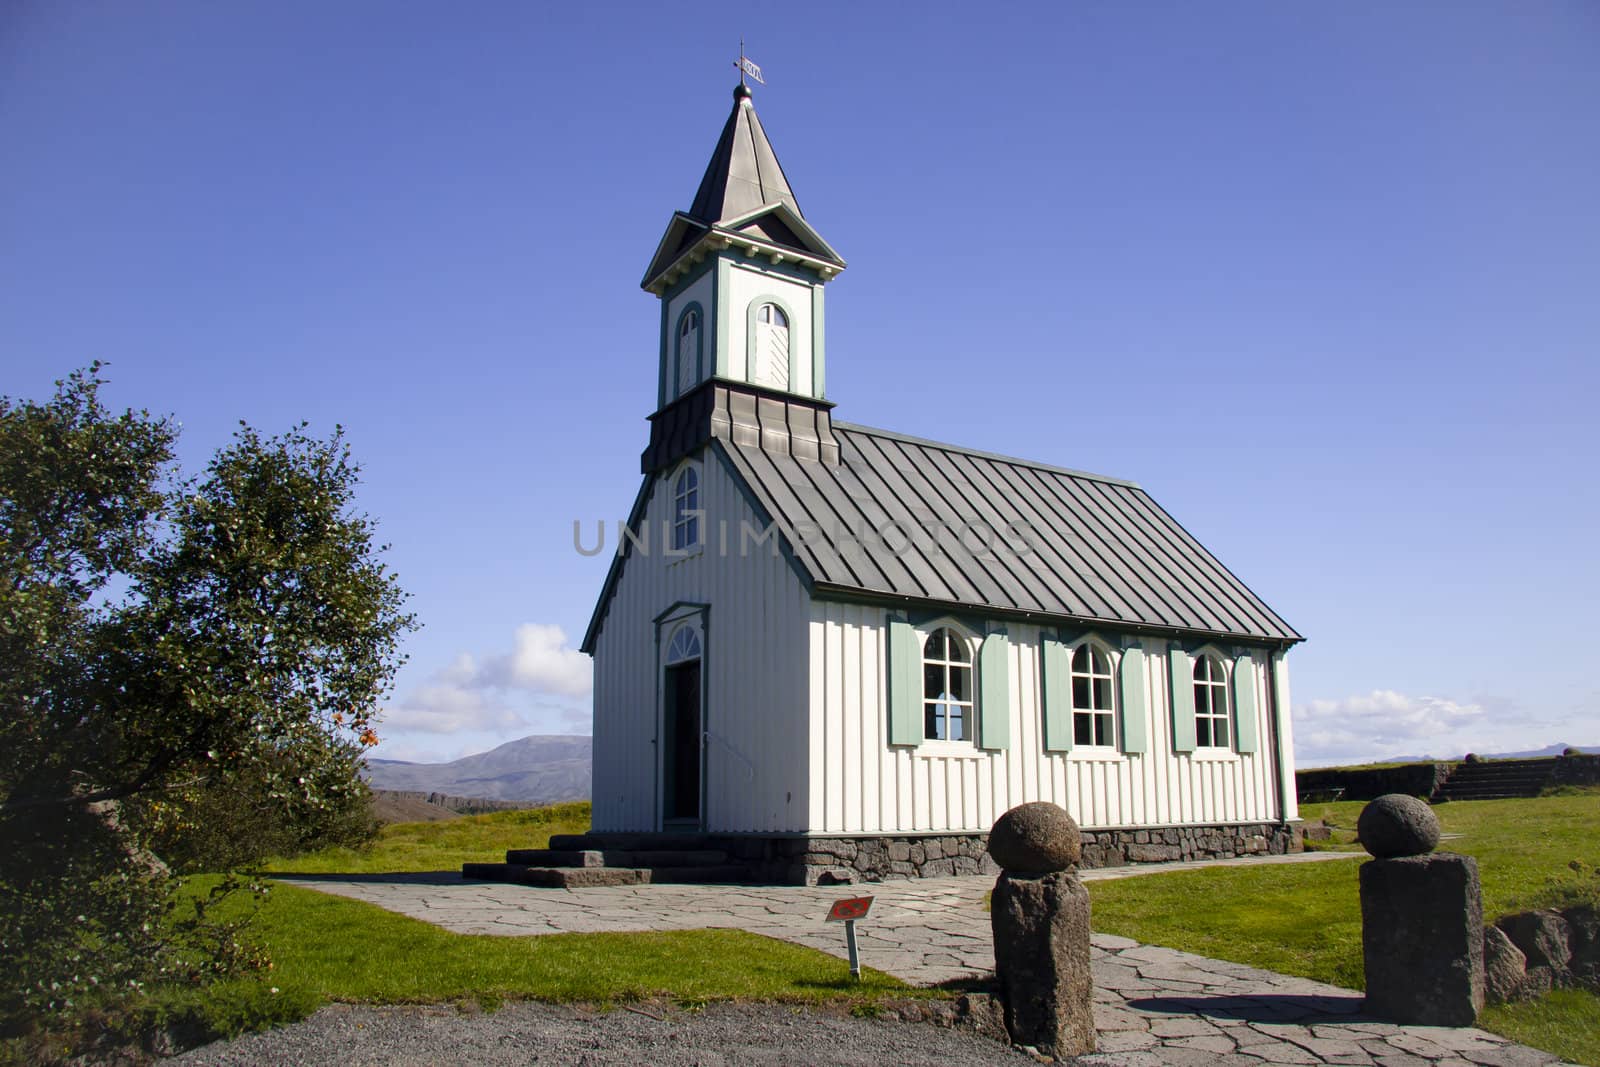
x: 189, y: 668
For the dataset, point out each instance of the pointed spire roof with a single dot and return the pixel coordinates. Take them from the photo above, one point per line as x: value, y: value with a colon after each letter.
x: 744, y: 174
x: 744, y: 201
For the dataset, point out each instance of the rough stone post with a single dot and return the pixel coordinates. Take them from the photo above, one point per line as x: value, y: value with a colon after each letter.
x: 1421, y: 918
x: 1040, y: 915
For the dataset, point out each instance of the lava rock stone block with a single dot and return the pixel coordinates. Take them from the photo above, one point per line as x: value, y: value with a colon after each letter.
x: 1041, y: 955
x: 1504, y: 966
x: 1542, y: 936
x: 1422, y: 939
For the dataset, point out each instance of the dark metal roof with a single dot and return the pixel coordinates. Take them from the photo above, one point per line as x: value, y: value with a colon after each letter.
x: 744, y: 174
x: 1102, y: 552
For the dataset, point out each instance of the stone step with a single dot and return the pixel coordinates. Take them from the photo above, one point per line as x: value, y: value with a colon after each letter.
x: 550, y: 857
x: 625, y: 842
x: 586, y: 877
x: 1498, y: 783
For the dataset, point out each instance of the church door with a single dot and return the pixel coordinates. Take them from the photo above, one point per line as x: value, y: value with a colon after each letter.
x: 680, y: 787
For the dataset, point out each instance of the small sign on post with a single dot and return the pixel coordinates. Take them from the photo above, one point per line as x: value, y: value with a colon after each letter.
x: 848, y: 911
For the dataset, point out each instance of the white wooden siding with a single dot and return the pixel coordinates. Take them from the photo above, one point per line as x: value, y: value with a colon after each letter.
x: 860, y: 784
x: 754, y: 671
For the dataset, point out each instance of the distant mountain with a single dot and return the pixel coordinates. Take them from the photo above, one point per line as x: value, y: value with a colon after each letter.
x: 535, y: 770
x: 1534, y: 753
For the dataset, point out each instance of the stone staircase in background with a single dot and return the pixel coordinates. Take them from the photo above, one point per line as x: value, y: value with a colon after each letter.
x: 578, y: 860
x: 1496, y: 779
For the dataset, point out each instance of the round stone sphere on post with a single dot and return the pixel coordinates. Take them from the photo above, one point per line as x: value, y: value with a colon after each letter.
x: 1035, y: 838
x: 1397, y: 825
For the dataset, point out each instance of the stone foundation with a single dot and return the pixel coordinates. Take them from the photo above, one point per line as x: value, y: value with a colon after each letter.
x: 843, y: 860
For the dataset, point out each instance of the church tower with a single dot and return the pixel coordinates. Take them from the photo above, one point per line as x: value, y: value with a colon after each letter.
x: 740, y: 278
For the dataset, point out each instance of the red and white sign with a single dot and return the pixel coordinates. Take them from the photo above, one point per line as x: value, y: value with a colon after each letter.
x: 849, y: 909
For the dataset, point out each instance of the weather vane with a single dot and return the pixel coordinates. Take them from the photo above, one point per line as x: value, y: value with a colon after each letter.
x: 746, y: 67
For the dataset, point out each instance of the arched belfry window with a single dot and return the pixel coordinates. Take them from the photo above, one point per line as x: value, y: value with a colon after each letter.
x: 1210, y: 702
x: 769, y: 352
x: 686, y: 508
x: 947, y: 701
x: 688, y: 350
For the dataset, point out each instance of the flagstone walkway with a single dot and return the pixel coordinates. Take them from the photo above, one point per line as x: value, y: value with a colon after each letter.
x: 1153, y: 1005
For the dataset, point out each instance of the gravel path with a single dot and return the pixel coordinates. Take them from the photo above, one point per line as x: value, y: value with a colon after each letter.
x: 533, y: 1033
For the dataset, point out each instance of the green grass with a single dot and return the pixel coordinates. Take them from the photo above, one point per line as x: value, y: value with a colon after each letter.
x: 1303, y: 919
x: 331, y: 948
x: 1566, y: 1022
x: 1306, y: 919
x: 445, y: 845
x: 1296, y: 919
x: 328, y: 948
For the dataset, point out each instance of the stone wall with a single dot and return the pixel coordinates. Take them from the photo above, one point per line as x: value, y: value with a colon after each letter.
x: 1580, y: 769
x: 843, y: 860
x: 1370, y: 783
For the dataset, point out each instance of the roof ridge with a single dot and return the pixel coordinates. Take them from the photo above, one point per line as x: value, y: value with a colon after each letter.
x: 874, y: 431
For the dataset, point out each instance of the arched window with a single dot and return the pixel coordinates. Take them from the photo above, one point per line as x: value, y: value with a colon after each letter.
x: 1210, y: 702
x: 769, y: 352
x: 685, y: 644
x: 688, y: 350
x: 947, y: 703
x: 1092, y: 711
x: 686, y: 508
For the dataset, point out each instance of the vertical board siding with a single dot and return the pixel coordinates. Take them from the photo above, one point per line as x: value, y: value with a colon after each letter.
x: 873, y: 787
x: 755, y: 671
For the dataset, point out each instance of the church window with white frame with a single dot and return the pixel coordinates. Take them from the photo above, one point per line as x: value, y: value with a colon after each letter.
x: 947, y: 693
x: 686, y: 508
x: 1210, y: 702
x: 1093, y: 715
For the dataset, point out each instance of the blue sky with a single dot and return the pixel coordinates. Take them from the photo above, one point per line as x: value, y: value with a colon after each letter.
x: 1325, y: 279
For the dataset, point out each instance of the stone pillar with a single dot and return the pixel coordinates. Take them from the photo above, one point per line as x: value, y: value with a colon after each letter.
x: 1040, y: 915
x: 1421, y: 918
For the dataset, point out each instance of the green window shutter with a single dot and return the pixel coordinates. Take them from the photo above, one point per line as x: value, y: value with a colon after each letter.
x: 905, y: 684
x: 1057, y: 678
x: 994, y: 689
x: 1133, y: 709
x: 1181, y: 682
x: 1244, y: 702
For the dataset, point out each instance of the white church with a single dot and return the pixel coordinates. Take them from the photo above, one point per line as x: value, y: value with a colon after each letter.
x: 827, y: 651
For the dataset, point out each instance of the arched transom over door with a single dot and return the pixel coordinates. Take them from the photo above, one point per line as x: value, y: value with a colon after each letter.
x: 771, y: 348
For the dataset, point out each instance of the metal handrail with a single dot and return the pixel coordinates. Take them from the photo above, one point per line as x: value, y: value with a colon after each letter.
x: 750, y: 768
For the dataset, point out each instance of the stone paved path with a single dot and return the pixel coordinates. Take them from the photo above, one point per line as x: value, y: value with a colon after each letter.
x: 1153, y: 1005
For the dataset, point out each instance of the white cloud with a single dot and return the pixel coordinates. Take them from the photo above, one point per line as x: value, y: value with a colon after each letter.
x: 539, y: 685
x: 540, y: 662
x: 1385, y: 723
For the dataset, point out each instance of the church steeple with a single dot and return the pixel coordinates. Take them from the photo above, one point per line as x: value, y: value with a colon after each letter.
x: 740, y: 278
x: 744, y: 174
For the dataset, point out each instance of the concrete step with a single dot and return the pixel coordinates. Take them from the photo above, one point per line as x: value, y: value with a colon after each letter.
x: 1546, y: 764
x: 550, y: 857
x: 1485, y: 783
x: 725, y: 875
x: 586, y: 877
x: 625, y: 842
x: 1488, y: 793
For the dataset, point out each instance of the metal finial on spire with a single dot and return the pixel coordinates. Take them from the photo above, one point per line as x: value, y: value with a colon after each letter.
x: 746, y: 67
